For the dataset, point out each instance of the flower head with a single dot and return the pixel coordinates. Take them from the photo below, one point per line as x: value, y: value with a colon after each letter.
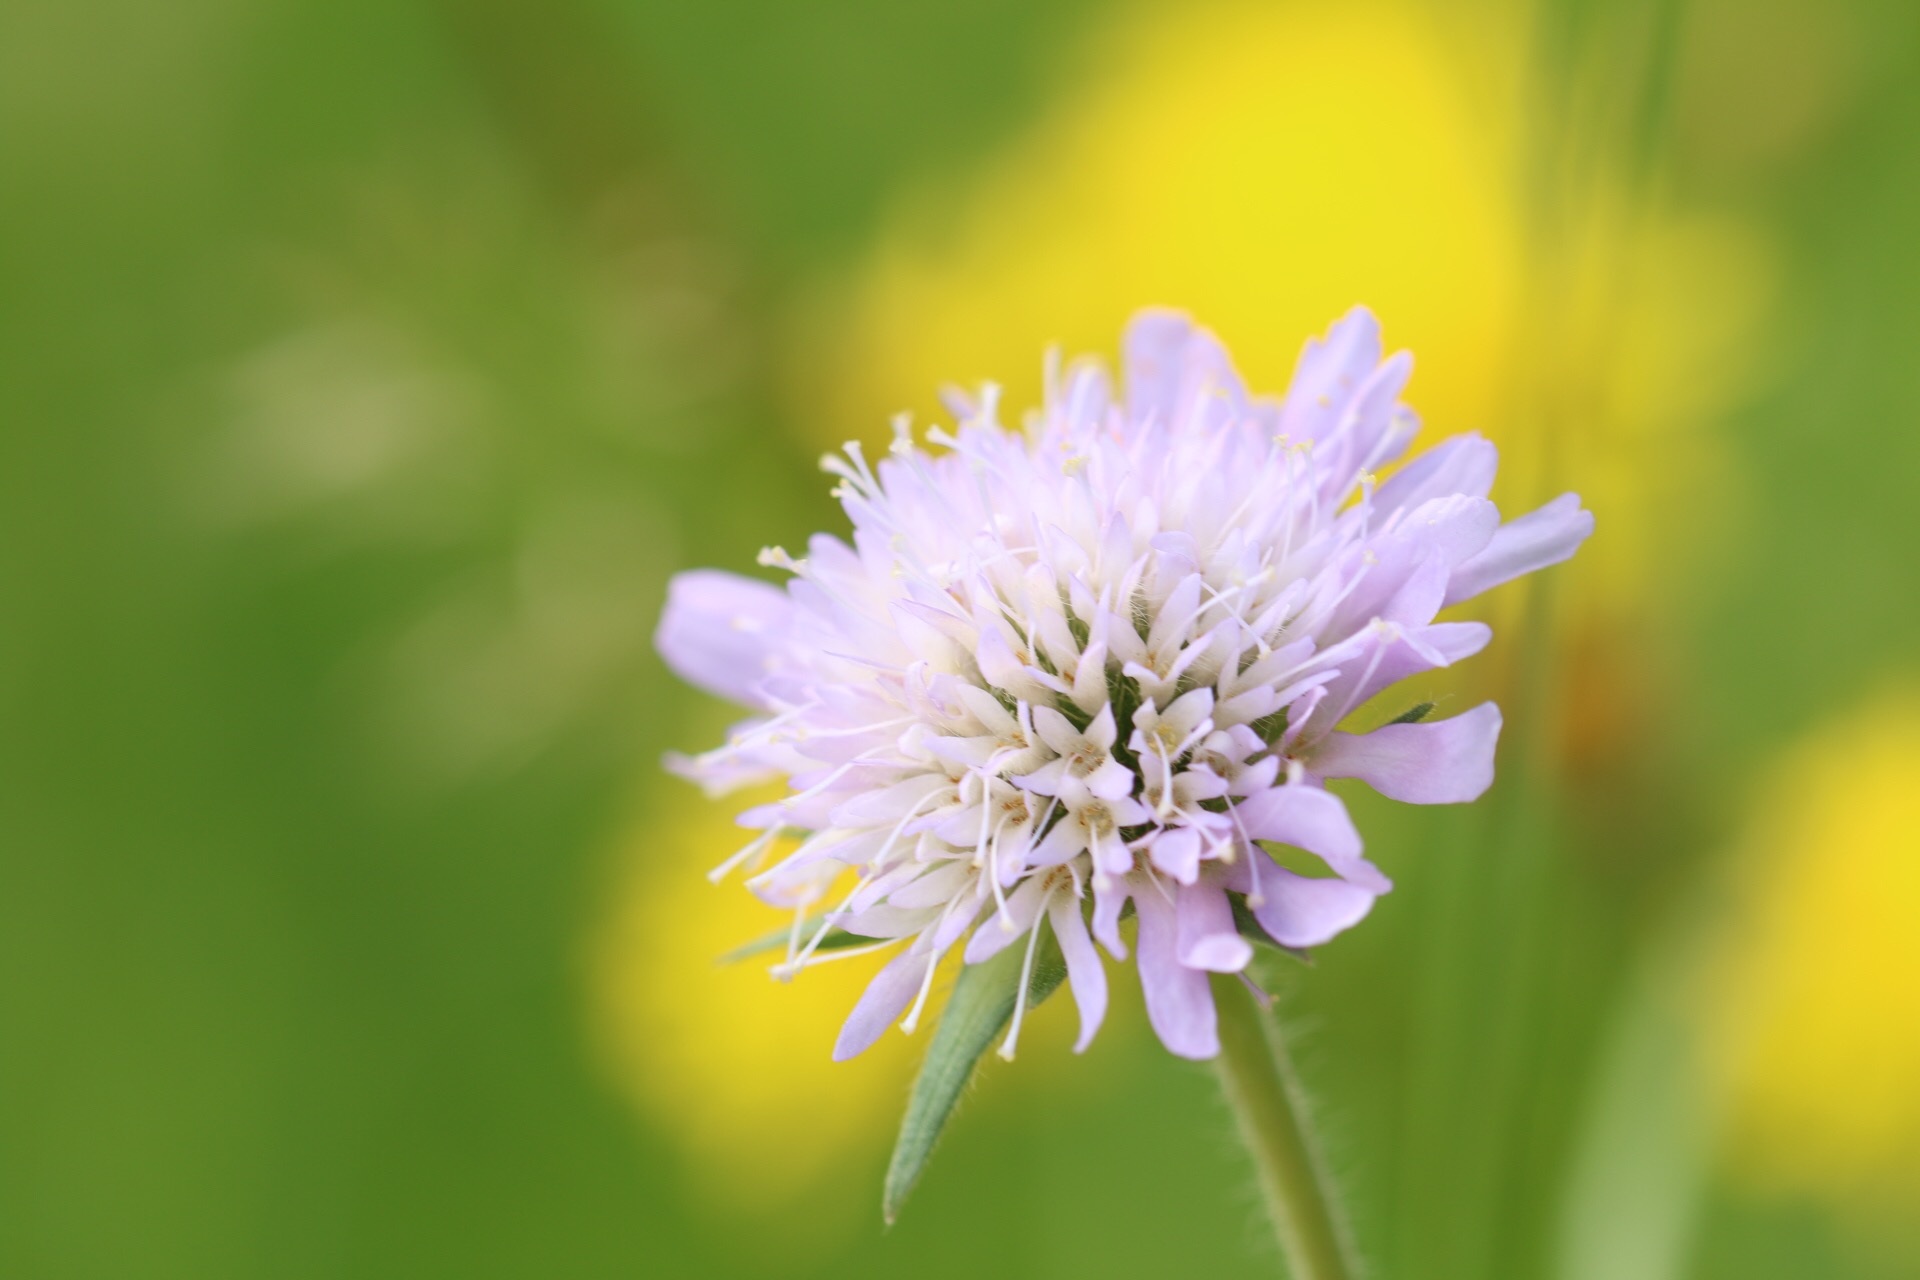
x: 1103, y: 660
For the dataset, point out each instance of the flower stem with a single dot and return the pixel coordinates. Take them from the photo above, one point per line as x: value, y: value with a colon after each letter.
x: 1258, y: 1079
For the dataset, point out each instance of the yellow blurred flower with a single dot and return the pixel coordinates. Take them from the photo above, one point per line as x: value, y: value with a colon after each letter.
x: 1816, y: 1028
x: 1266, y: 167
x: 735, y: 1066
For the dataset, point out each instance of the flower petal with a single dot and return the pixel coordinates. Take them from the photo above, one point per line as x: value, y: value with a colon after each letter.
x: 1450, y: 641
x: 1533, y: 541
x: 1311, y: 818
x: 1085, y: 973
x: 882, y: 1003
x: 1171, y: 364
x: 933, y: 889
x: 1176, y: 851
x: 1056, y: 730
x: 1066, y: 839
x: 1103, y: 730
x: 1397, y: 654
x: 1111, y: 781
x: 1108, y: 898
x: 1329, y: 371
x: 718, y: 630
x: 1179, y: 1003
x: 1448, y: 532
x: 1305, y: 817
x: 891, y: 804
x: 1301, y: 912
x: 1460, y: 464
x: 1432, y: 762
x: 1206, y: 932
x: 1003, y: 927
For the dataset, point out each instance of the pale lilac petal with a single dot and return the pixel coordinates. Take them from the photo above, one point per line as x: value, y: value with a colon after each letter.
x: 986, y: 708
x: 933, y: 889
x: 1454, y: 529
x: 1110, y: 853
x: 1182, y: 603
x: 1048, y: 780
x: 1179, y: 1003
x: 1420, y: 597
x: 1102, y: 731
x: 719, y: 777
x: 1002, y: 670
x: 891, y: 804
x: 1310, y: 818
x: 1177, y: 852
x: 1431, y: 762
x: 1066, y: 839
x: 1406, y: 652
x: 1451, y: 641
x: 1304, y: 817
x: 1534, y: 541
x: 1003, y: 927
x: 1372, y: 432
x: 1111, y: 781
x: 881, y: 1004
x: 1461, y: 464
x: 885, y: 921
x: 1187, y: 711
x: 880, y: 887
x: 1085, y: 974
x: 949, y: 930
x: 718, y: 630
x: 1108, y: 899
x: 1447, y: 532
x: 1330, y: 370
x: 1207, y: 936
x: 1171, y: 364
x: 1301, y: 912
x: 1056, y: 730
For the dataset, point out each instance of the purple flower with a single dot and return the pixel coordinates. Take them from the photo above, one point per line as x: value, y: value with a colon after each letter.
x: 1104, y: 659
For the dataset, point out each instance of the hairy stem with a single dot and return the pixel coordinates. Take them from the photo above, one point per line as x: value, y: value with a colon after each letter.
x: 1258, y: 1080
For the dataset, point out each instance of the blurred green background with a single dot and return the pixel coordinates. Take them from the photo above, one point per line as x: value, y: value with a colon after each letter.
x: 366, y: 368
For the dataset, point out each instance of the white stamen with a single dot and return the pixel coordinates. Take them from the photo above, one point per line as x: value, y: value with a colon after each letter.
x: 912, y: 1020
x: 753, y: 849
x: 1026, y: 977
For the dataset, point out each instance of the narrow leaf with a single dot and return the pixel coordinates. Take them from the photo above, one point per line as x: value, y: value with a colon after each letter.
x: 976, y: 1014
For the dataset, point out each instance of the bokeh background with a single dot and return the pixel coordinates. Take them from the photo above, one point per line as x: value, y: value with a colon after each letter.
x: 366, y: 367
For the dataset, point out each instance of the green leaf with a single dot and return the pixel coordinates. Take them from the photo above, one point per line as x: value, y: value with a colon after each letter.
x: 976, y: 1013
x: 777, y: 941
x: 1271, y: 726
x: 1413, y: 715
